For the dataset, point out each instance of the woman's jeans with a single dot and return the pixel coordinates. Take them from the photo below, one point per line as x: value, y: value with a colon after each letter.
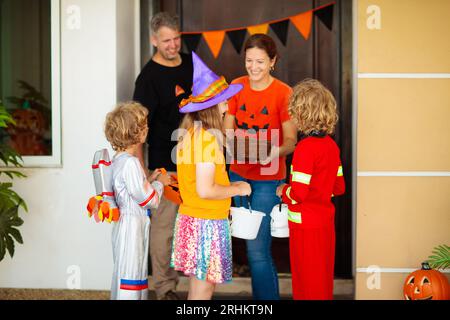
x: 259, y: 251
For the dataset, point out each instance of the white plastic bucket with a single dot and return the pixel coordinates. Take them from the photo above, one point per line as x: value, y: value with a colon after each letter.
x: 245, y: 224
x: 279, y: 227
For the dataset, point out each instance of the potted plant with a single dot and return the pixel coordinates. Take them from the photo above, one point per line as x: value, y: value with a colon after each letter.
x: 440, y: 258
x: 10, y: 201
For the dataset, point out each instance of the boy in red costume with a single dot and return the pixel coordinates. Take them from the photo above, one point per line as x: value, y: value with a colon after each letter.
x: 316, y: 176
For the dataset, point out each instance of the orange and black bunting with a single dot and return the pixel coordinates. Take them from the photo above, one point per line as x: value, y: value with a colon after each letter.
x: 281, y: 30
x: 326, y: 16
x: 237, y: 38
x: 192, y: 40
x: 214, y: 39
x: 302, y: 22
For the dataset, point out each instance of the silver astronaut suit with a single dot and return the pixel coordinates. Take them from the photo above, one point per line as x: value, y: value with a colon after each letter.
x: 134, y: 196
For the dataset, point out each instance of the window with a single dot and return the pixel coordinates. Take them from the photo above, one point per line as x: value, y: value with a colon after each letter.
x: 30, y: 78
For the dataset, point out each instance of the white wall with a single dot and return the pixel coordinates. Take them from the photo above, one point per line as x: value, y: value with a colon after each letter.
x: 57, y: 232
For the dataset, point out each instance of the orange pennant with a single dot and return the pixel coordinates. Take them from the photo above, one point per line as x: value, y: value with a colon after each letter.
x: 260, y: 28
x: 214, y: 39
x: 303, y: 22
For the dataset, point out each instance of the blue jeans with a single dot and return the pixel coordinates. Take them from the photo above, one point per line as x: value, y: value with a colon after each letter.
x: 259, y: 251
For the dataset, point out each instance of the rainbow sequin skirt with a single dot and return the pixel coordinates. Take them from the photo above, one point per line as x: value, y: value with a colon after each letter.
x: 202, y: 248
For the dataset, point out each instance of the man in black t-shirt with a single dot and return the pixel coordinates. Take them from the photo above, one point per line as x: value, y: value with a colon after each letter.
x: 163, y: 82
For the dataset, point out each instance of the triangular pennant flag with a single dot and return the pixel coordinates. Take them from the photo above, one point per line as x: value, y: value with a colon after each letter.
x: 326, y: 16
x: 192, y: 40
x: 260, y: 28
x: 303, y: 23
x: 281, y: 30
x: 237, y: 38
x: 214, y: 39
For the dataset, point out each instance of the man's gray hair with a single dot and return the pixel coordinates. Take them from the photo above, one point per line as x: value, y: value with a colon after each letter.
x: 164, y: 19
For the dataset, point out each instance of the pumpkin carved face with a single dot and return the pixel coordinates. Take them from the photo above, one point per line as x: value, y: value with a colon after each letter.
x: 426, y: 284
x: 258, y: 121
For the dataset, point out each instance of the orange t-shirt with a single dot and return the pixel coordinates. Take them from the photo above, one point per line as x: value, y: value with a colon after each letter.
x: 255, y: 112
x: 198, y: 147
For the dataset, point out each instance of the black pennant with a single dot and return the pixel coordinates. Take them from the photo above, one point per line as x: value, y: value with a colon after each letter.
x: 192, y: 40
x: 237, y: 38
x: 326, y: 16
x: 281, y: 30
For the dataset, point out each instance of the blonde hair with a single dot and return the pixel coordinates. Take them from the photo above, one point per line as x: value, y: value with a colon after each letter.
x: 125, y: 125
x: 313, y: 107
x: 211, y: 118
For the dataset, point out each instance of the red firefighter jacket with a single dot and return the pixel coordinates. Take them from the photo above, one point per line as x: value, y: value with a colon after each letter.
x: 316, y: 176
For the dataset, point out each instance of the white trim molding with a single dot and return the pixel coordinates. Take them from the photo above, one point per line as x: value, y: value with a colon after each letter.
x: 393, y: 270
x: 404, y: 75
x: 53, y: 160
x: 403, y: 173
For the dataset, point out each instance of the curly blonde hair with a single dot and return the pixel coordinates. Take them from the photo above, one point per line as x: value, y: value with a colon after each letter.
x: 313, y: 107
x: 125, y: 125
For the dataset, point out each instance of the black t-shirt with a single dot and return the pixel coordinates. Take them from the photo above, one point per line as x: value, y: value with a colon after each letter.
x: 159, y: 89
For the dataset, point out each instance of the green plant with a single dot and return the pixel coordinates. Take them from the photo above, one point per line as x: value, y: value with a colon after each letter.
x: 10, y: 201
x: 440, y: 258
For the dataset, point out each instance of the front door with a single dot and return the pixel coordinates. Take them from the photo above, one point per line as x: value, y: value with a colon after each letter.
x: 325, y: 55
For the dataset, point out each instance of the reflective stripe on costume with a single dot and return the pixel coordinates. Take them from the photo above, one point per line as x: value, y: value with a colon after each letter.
x: 288, y: 194
x: 301, y: 177
x: 340, y: 172
x: 142, y: 204
x: 295, y: 217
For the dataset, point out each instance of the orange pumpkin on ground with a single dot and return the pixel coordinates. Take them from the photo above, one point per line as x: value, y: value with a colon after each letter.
x: 426, y: 284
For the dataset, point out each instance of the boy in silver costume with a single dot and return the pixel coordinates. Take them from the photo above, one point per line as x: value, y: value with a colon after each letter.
x: 126, y: 128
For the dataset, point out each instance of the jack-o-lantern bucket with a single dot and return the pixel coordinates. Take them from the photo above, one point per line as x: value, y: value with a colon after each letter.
x: 426, y: 284
x: 172, y: 192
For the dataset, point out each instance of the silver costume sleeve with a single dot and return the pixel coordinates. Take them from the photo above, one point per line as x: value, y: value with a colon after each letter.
x: 159, y: 188
x: 145, y: 194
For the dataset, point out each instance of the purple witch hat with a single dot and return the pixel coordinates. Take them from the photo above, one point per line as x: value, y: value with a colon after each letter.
x: 208, y: 88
